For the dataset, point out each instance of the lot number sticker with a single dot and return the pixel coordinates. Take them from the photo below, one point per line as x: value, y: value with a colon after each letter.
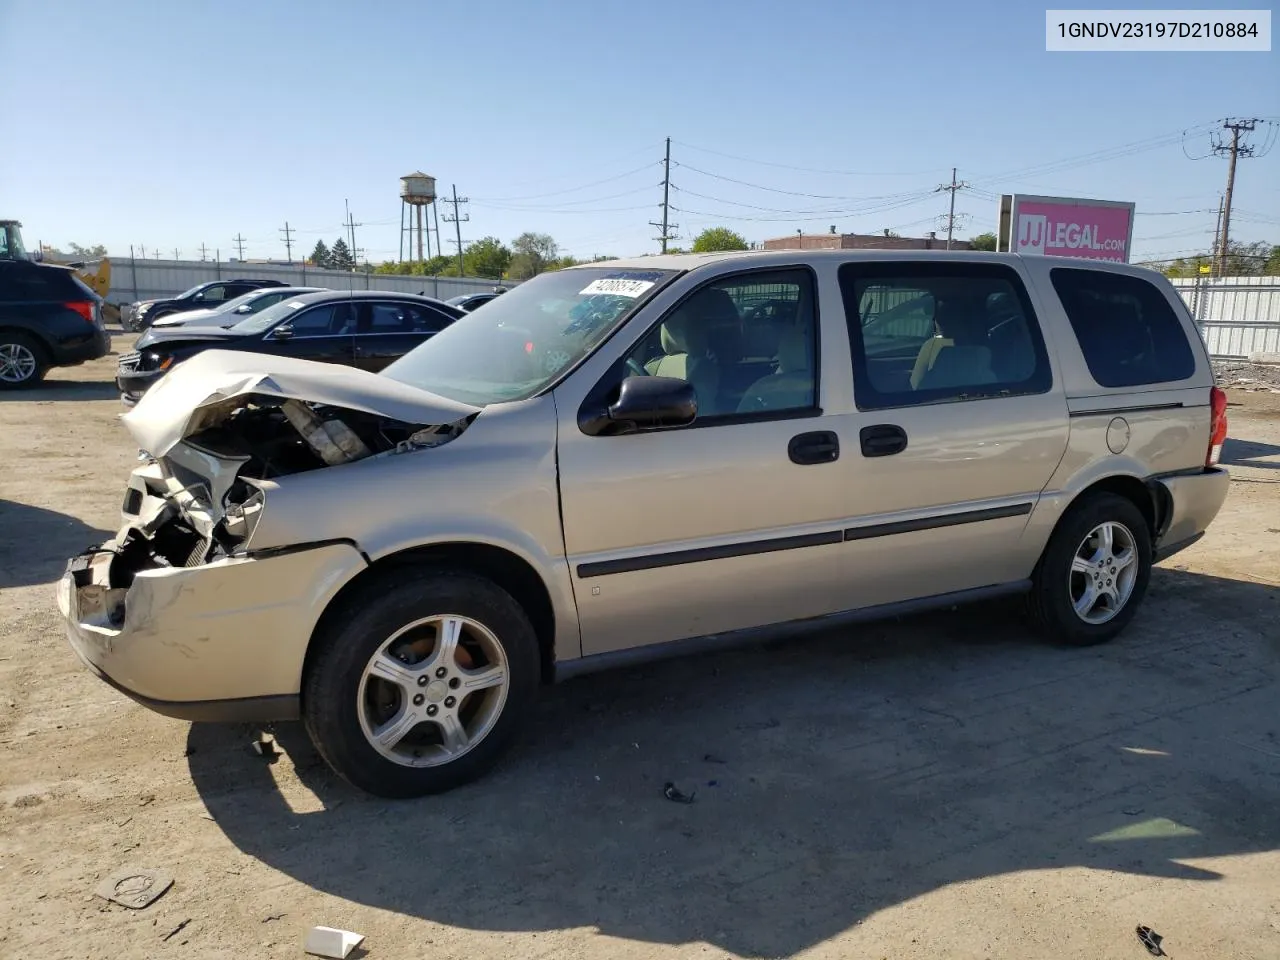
x: 617, y: 286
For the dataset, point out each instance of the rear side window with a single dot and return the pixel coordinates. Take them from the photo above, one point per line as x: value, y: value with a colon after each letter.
x: 1127, y: 331
x: 937, y: 332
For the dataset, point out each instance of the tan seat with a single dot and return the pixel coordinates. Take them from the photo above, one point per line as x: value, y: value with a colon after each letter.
x: 685, y: 355
x: 791, y: 386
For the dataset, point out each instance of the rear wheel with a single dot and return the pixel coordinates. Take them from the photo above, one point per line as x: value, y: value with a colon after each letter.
x: 22, y: 361
x: 1094, y: 572
x: 420, y: 681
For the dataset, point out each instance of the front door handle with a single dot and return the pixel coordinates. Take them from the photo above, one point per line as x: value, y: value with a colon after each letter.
x: 882, y: 440
x: 819, y: 446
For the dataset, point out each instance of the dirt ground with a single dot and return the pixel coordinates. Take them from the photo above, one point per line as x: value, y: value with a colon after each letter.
x: 944, y: 787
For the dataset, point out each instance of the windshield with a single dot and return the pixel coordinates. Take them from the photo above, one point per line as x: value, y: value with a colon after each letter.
x: 522, y: 340
x: 266, y: 319
x: 229, y: 305
x: 11, y: 243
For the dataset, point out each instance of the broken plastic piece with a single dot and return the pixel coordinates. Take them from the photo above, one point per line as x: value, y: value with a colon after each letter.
x: 332, y: 942
x: 135, y: 888
x: 675, y: 796
x: 1151, y: 940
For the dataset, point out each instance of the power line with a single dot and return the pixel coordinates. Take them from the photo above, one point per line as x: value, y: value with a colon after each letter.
x: 457, y: 220
x: 238, y: 240
x: 788, y: 166
x: 666, y: 226
x: 287, y: 236
x: 558, y: 193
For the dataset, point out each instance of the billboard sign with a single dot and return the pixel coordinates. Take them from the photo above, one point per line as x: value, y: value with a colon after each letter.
x: 1066, y: 227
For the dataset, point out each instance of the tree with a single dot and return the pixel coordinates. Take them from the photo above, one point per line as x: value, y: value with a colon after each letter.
x: 533, y: 252
x: 983, y: 241
x: 320, y: 256
x: 88, y: 253
x: 1272, y: 266
x: 340, y: 256
x: 714, y: 239
x: 487, y: 257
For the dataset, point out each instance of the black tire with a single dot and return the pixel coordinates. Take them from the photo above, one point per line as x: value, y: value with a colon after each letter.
x: 364, y: 621
x: 22, y: 341
x: 1050, y: 601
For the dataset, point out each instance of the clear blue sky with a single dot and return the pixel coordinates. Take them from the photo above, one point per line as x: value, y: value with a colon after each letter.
x: 169, y: 125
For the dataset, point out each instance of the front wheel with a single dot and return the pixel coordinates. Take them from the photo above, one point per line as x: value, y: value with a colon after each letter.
x: 1094, y: 572
x: 419, y: 682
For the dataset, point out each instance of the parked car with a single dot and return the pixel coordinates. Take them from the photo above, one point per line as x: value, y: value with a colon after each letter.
x: 233, y: 311
x: 140, y: 315
x: 619, y: 462
x: 469, y: 301
x: 367, y: 329
x: 48, y: 318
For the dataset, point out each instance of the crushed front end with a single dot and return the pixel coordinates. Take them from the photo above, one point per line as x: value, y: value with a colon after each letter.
x: 180, y: 610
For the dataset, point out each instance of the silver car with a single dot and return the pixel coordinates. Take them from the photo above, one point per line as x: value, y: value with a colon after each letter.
x: 627, y: 460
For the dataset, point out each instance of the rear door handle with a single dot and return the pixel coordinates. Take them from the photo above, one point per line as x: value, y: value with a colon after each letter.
x: 819, y: 446
x: 882, y: 440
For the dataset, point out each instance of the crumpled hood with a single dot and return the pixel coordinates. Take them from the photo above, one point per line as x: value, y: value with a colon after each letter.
x: 163, y: 415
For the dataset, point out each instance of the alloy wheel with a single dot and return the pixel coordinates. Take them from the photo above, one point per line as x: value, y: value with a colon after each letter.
x: 433, y: 690
x: 1104, y: 572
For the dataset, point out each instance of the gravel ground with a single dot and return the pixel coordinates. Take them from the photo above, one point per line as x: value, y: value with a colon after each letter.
x: 945, y: 786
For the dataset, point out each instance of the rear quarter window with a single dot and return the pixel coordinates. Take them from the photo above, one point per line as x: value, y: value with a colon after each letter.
x: 1128, y: 332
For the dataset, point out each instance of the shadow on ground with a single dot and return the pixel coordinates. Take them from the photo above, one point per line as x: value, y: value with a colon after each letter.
x: 35, y: 543
x: 833, y: 779
x: 1250, y: 453
x: 63, y: 390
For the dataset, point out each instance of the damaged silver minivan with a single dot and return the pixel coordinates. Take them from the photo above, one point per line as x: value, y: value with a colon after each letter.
x: 624, y: 460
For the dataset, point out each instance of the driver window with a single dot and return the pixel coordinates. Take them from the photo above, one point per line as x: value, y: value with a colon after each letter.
x: 214, y: 294
x: 747, y: 343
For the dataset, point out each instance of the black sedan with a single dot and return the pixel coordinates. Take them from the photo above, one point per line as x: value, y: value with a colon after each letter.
x: 367, y: 329
x: 470, y: 301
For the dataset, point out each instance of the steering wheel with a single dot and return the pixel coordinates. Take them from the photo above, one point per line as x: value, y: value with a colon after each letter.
x: 634, y: 366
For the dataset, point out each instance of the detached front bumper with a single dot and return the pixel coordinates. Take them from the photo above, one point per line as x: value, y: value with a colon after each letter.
x: 223, y: 641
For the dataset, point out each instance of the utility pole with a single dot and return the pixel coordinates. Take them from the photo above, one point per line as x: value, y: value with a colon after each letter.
x: 952, y: 187
x: 204, y: 253
x: 288, y: 241
x: 1232, y: 150
x: 457, y: 220
x: 351, y: 232
x: 666, y: 226
x: 177, y: 254
x: 239, y: 242
x: 1217, y: 238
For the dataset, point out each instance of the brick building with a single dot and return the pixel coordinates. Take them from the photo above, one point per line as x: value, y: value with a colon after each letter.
x: 860, y: 241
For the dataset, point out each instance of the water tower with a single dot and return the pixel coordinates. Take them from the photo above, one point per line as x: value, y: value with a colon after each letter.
x: 417, y: 190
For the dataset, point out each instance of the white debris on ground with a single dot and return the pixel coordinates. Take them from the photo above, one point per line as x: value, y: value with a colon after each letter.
x: 1244, y: 375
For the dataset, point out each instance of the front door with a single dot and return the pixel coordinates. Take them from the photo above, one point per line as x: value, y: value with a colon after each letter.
x: 390, y: 329
x: 731, y: 522
x: 325, y: 332
x: 956, y: 432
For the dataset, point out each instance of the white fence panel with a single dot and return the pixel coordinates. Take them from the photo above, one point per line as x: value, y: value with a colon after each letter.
x: 1237, y: 315
x: 150, y: 279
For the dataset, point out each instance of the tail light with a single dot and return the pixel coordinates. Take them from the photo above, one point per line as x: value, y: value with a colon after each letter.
x: 1217, y: 426
x: 82, y: 307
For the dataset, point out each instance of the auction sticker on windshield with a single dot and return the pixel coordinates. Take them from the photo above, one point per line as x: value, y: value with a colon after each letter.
x: 617, y: 286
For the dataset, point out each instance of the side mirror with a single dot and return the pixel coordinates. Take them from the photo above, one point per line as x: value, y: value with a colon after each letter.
x: 244, y: 308
x: 640, y: 404
x: 282, y: 332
